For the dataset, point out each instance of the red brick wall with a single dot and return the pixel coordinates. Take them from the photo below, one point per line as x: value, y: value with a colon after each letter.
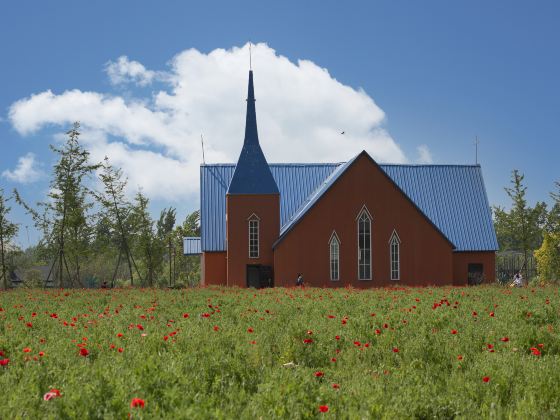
x: 238, y: 209
x: 426, y: 256
x: 213, y: 268
x: 461, y: 261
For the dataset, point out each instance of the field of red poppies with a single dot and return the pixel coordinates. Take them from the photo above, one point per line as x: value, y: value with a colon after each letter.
x: 288, y: 353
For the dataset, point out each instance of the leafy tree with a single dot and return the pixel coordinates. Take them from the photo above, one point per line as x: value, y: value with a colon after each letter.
x: 187, y: 266
x: 8, y: 231
x: 520, y: 229
x: 548, y: 255
x: 165, y: 226
x: 65, y: 218
x: 147, y: 244
x: 113, y: 223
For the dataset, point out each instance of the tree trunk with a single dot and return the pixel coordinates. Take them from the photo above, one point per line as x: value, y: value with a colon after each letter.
x: 4, y: 277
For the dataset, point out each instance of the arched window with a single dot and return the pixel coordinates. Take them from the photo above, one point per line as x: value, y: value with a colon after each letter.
x: 334, y: 250
x: 395, y: 256
x: 364, y: 245
x: 253, y: 236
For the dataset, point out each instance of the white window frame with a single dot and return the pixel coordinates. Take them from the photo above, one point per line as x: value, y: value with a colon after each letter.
x: 395, y: 240
x: 334, y: 240
x: 365, y: 211
x: 254, y: 219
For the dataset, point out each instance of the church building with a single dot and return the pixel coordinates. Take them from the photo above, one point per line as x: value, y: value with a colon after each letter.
x: 356, y: 223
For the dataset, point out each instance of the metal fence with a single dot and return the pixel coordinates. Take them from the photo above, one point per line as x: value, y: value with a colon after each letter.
x: 508, y: 263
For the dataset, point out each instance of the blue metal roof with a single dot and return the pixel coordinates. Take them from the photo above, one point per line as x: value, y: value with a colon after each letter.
x: 453, y: 197
x: 252, y: 173
x: 191, y: 246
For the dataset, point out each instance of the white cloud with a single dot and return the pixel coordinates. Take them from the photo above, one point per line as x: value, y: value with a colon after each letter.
x: 301, y: 112
x: 25, y: 171
x: 424, y: 154
x: 126, y: 71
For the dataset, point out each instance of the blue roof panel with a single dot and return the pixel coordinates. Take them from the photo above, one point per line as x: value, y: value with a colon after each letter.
x: 453, y: 197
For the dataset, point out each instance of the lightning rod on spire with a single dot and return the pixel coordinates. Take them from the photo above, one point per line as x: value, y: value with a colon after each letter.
x: 250, y: 57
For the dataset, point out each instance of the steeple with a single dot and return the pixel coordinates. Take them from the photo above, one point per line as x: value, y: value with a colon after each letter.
x: 252, y: 174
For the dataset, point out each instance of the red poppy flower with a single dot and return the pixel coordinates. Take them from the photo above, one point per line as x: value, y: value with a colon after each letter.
x: 333, y: 359
x: 535, y: 351
x: 308, y: 341
x: 492, y: 314
x: 119, y: 335
x: 185, y: 315
x: 323, y: 408
x: 504, y: 339
x: 335, y: 386
x: 84, y: 352
x: 53, y: 393
x: 120, y: 350
x: 337, y: 337
x: 137, y: 402
x: 474, y: 313
x: 377, y: 331
x: 459, y: 357
x: 253, y: 342
x: 319, y: 374
x: 331, y: 316
x: 357, y: 343
x: 250, y: 330
x: 29, y: 324
x: 41, y: 353
x: 453, y: 331
x: 216, y: 328
x: 4, y: 362
x: 540, y: 345
x: 486, y: 379
x: 26, y: 350
x: 140, y: 327
x: 205, y: 315
x: 395, y: 350
x: 165, y: 338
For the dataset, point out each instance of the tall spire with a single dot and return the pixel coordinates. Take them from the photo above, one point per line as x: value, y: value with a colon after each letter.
x: 252, y: 174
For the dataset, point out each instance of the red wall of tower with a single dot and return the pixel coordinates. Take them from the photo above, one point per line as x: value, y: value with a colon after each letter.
x: 239, y: 208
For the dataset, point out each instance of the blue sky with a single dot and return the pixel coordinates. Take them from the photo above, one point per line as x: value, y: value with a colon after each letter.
x: 435, y: 74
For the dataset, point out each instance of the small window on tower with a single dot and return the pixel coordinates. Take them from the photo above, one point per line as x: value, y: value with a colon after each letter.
x: 253, y: 236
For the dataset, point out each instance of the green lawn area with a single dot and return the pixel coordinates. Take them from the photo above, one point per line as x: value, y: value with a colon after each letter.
x: 281, y: 353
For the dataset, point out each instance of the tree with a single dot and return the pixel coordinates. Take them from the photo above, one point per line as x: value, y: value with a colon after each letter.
x: 165, y: 226
x: 116, y: 209
x: 520, y: 229
x: 8, y: 231
x: 65, y: 214
x: 187, y: 266
x: 548, y: 255
x: 146, y: 242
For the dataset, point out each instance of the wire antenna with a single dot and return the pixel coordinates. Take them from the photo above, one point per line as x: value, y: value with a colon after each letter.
x: 202, y: 143
x: 476, y: 143
x: 250, y: 57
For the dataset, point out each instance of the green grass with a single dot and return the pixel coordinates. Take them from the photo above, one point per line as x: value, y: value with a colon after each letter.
x: 201, y: 373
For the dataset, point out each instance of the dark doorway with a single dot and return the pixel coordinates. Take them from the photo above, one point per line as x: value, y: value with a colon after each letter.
x: 259, y: 276
x: 475, y: 274
x: 253, y: 276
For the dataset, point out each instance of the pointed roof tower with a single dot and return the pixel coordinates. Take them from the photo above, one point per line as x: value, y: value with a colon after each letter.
x: 252, y: 174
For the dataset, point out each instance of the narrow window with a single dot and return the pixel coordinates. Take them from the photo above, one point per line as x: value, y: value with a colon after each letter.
x: 364, y: 246
x: 253, y: 236
x: 395, y: 251
x: 334, y: 246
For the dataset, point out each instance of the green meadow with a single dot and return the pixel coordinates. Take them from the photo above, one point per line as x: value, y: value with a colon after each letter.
x: 280, y: 353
